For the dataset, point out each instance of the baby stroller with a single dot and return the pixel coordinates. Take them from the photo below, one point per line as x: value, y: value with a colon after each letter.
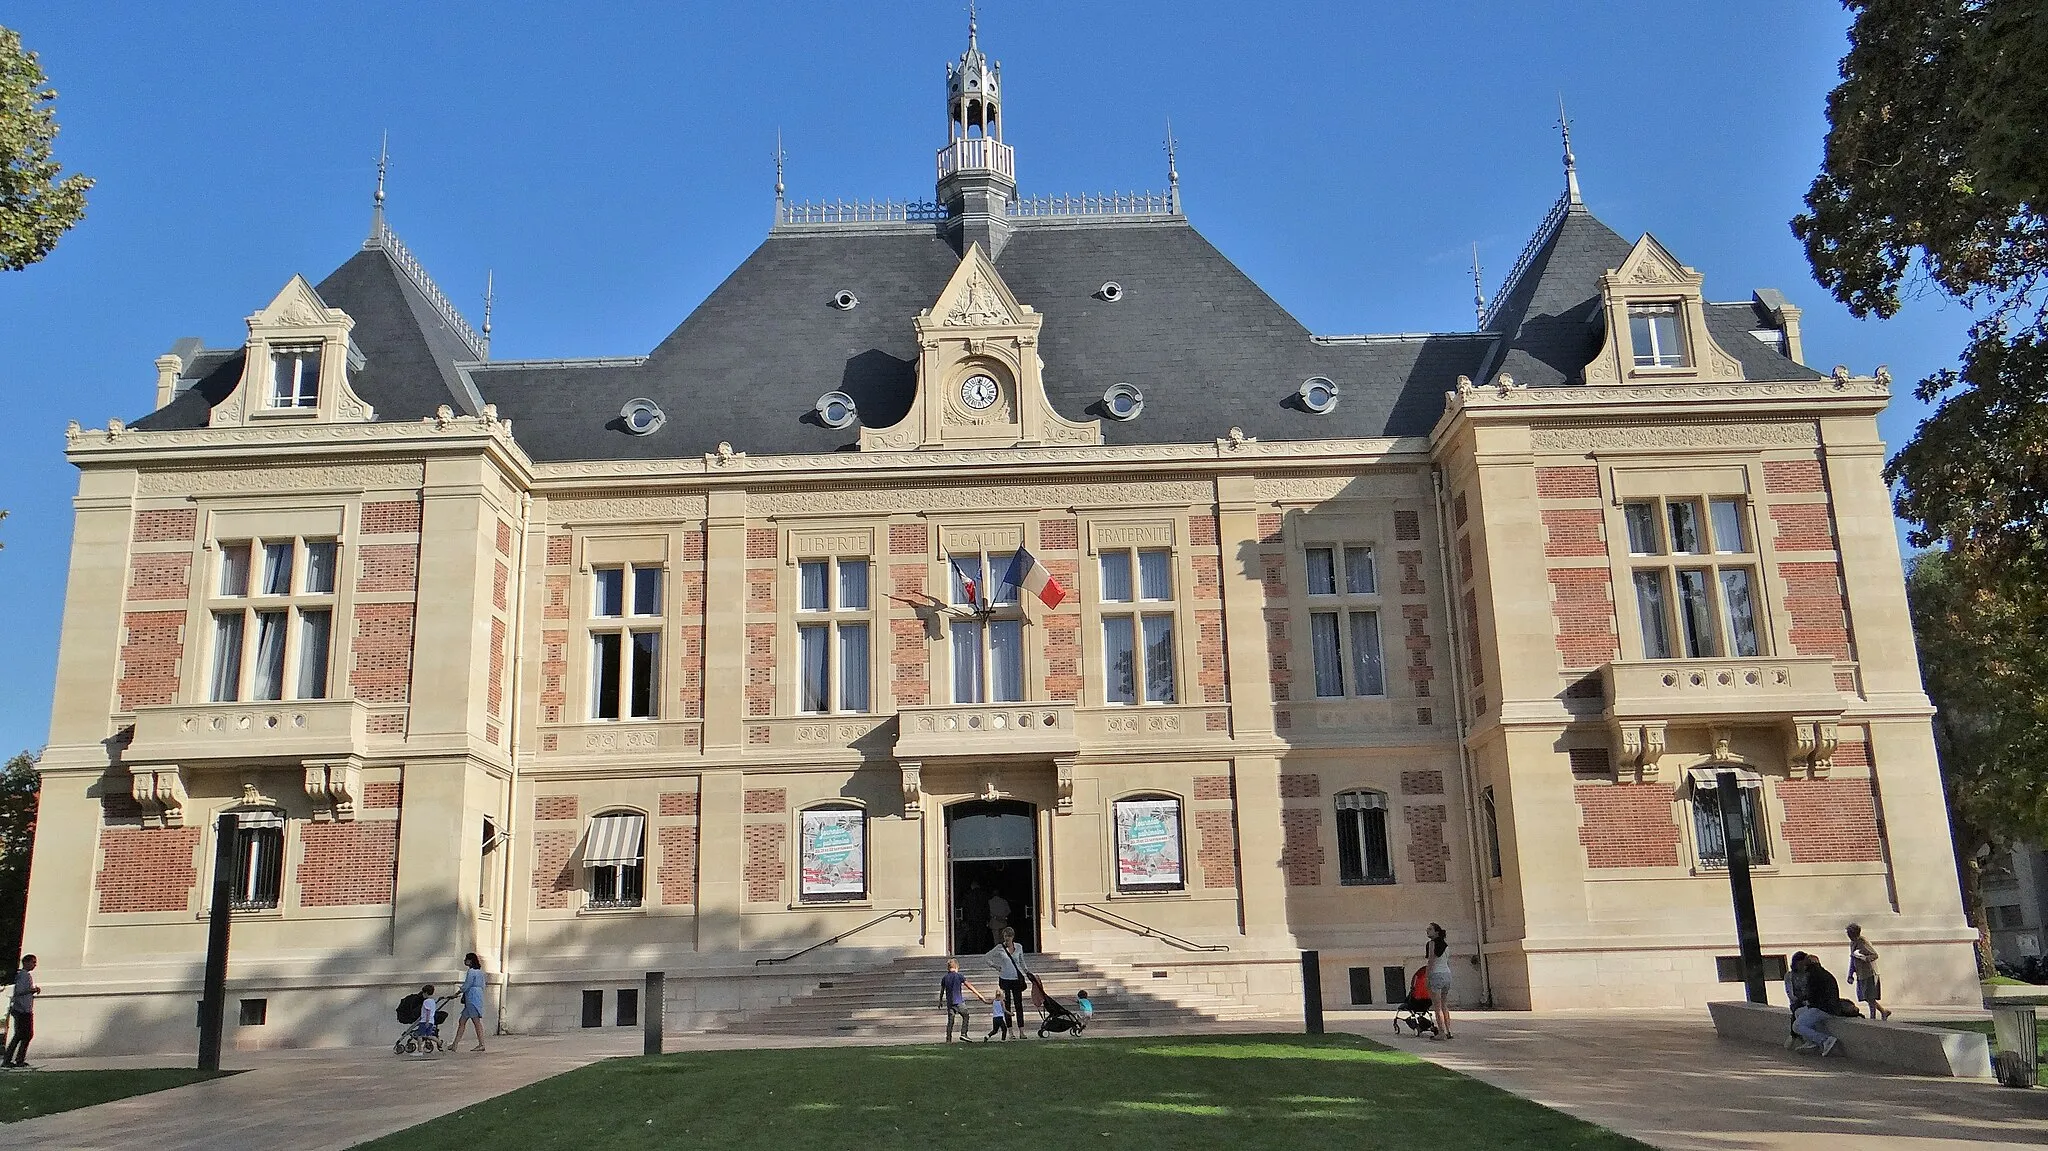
x: 1053, y: 1016
x: 419, y: 1035
x: 1417, y: 1011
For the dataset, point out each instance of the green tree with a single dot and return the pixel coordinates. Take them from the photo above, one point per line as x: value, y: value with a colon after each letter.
x: 18, y: 783
x: 36, y: 208
x: 1986, y: 670
x: 1935, y: 181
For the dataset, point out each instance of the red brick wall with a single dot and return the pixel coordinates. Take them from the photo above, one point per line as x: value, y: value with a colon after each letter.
x: 391, y: 517
x: 1217, y: 850
x: 1202, y: 531
x: 1269, y: 527
x: 553, y: 878
x: 1407, y: 525
x: 1803, y: 527
x: 160, y: 575
x: 761, y: 590
x: 763, y: 543
x: 383, y: 796
x: 347, y: 864
x: 1627, y: 825
x: 1279, y: 650
x: 383, y: 651
x: 908, y: 539
x: 504, y: 538
x: 495, y: 698
x: 554, y: 807
x: 554, y: 675
x: 1573, y: 532
x: 1590, y: 760
x: 1582, y: 604
x: 1829, y: 820
x: 1793, y: 476
x: 1209, y: 647
x: 1208, y: 577
x: 766, y: 801
x: 149, y: 657
x: 1813, y: 598
x: 557, y: 605
x: 1213, y: 787
x: 760, y: 669
x: 1572, y: 483
x: 1852, y: 753
x: 500, y: 579
x: 1427, y: 850
x: 164, y: 525
x: 560, y: 550
x: 388, y: 567
x: 679, y: 803
x: 1059, y: 535
x: 678, y: 871
x: 1295, y: 785
x: 147, y: 869
x: 1422, y: 782
x: 690, y: 683
x: 1301, y: 846
x: 1411, y: 573
x: 910, y: 676
x: 765, y: 871
x: 1062, y: 656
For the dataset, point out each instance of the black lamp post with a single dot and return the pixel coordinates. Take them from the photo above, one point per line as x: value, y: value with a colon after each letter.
x: 1735, y: 848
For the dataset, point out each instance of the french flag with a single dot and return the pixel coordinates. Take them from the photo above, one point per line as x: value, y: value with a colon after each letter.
x: 1030, y: 575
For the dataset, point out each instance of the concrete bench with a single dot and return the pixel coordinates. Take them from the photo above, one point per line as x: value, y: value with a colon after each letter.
x: 1905, y: 1046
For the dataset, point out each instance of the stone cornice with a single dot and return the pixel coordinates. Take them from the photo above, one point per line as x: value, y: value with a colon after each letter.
x: 117, y: 444
x: 1629, y: 404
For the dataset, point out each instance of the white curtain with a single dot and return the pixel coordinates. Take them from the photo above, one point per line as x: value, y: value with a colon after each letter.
x: 1322, y: 571
x: 234, y: 569
x: 270, y: 634
x: 966, y: 568
x: 1155, y: 575
x: 277, y: 569
x: 1359, y: 576
x: 814, y: 644
x: 315, y: 628
x: 1367, y: 675
x: 853, y: 585
x: 853, y: 664
x: 1159, y: 659
x: 1119, y: 655
x: 1005, y: 660
x: 1329, y: 653
x: 966, y: 662
x: 1116, y: 577
x: 814, y: 590
x: 227, y: 654
x: 320, y: 568
x: 1741, y: 610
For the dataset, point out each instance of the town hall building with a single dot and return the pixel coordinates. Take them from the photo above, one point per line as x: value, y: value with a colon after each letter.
x: 993, y: 560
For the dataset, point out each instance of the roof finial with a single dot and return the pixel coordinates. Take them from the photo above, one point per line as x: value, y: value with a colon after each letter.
x: 1478, y: 289
x: 780, y: 156
x: 1172, y: 171
x: 1571, y: 163
x: 973, y: 25
x: 377, y: 205
x: 490, y: 297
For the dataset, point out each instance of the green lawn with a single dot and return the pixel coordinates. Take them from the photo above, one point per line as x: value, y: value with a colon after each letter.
x: 1254, y: 1091
x: 1983, y: 1027
x: 27, y: 1094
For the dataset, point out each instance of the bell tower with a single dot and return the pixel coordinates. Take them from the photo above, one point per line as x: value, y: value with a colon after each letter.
x: 977, y: 171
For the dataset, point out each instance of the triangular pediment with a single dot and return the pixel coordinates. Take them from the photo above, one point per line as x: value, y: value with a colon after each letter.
x: 297, y: 305
x: 977, y: 297
x: 1649, y: 263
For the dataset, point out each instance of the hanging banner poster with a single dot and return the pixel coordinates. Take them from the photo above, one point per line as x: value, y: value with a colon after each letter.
x: 1148, y: 844
x: 835, y: 858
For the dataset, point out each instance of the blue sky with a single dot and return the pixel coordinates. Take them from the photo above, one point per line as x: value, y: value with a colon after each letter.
x: 612, y: 163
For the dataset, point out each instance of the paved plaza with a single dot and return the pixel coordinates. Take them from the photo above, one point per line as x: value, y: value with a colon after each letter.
x: 1661, y: 1077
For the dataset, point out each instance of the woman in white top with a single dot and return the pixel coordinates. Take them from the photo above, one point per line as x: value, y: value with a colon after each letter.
x: 1436, y: 951
x: 1007, y: 957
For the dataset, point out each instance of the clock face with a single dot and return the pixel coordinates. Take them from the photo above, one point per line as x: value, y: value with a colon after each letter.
x: 978, y: 392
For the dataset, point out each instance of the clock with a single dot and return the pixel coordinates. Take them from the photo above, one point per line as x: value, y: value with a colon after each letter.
x: 978, y: 392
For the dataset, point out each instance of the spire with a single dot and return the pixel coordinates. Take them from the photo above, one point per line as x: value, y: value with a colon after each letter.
x: 377, y: 205
x: 490, y: 297
x: 977, y: 171
x: 1478, y: 292
x: 973, y: 25
x: 1571, y: 163
x: 1172, y: 171
x: 780, y: 156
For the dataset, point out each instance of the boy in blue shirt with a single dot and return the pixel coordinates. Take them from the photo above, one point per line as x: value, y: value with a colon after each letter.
x: 952, y: 986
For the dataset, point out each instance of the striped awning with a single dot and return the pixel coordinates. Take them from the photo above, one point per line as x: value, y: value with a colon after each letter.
x: 261, y: 817
x: 614, y: 839
x: 1708, y: 778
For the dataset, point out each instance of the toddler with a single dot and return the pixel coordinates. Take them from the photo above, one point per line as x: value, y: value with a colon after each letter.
x: 998, y: 1020
x: 430, y: 1030
x: 1083, y: 1005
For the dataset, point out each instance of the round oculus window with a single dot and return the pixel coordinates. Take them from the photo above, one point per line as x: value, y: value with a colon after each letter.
x: 979, y: 392
x: 836, y: 409
x: 642, y: 416
x: 1318, y: 394
x: 1123, y: 402
x: 845, y: 301
x: 1110, y: 291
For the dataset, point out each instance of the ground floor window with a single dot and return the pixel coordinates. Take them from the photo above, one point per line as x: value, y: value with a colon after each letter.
x: 1711, y: 845
x: 615, y: 858
x: 259, y: 859
x: 1365, y: 854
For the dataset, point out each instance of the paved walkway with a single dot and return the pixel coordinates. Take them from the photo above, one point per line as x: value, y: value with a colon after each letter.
x: 1661, y: 1077
x: 1664, y: 1078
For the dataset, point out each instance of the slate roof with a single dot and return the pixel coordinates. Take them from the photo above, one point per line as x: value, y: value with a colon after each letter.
x: 1206, y: 346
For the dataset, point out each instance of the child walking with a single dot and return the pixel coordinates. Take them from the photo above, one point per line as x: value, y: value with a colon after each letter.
x: 430, y: 1029
x: 952, y: 998
x: 998, y: 1020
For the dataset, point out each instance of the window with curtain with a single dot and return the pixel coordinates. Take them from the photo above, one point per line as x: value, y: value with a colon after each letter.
x: 1694, y: 570
x: 1344, y: 621
x: 834, y: 652
x: 626, y: 626
x: 615, y: 858
x: 273, y: 613
x: 1365, y: 854
x: 987, y: 651
x: 259, y: 859
x: 295, y: 377
x: 1140, y: 663
x: 1657, y: 335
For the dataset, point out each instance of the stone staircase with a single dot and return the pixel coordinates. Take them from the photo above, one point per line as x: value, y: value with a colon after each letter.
x: 900, y: 1001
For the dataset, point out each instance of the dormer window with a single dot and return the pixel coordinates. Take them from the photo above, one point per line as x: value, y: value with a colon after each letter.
x: 1658, y: 335
x: 295, y: 377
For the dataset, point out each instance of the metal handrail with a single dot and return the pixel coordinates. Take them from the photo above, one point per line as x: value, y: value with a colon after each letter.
x: 1126, y: 923
x: 899, y: 913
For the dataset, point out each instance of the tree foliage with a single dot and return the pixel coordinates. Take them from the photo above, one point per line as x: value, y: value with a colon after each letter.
x: 1935, y: 178
x: 18, y: 783
x: 36, y: 208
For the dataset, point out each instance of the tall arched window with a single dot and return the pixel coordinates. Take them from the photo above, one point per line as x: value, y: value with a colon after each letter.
x: 615, y: 858
x: 1365, y: 852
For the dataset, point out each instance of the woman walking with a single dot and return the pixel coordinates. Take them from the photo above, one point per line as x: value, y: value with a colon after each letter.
x: 1863, y: 973
x: 1008, y: 960
x: 472, y: 1001
x: 1439, y: 977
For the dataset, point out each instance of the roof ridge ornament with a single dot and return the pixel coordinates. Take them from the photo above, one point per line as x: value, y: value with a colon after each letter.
x: 1478, y: 289
x: 1172, y: 170
x: 377, y: 203
x: 1571, y: 162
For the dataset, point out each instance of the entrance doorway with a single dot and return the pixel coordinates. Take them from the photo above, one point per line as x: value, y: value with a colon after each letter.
x: 992, y: 861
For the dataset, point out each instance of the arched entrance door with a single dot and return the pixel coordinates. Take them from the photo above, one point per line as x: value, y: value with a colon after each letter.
x: 992, y: 865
